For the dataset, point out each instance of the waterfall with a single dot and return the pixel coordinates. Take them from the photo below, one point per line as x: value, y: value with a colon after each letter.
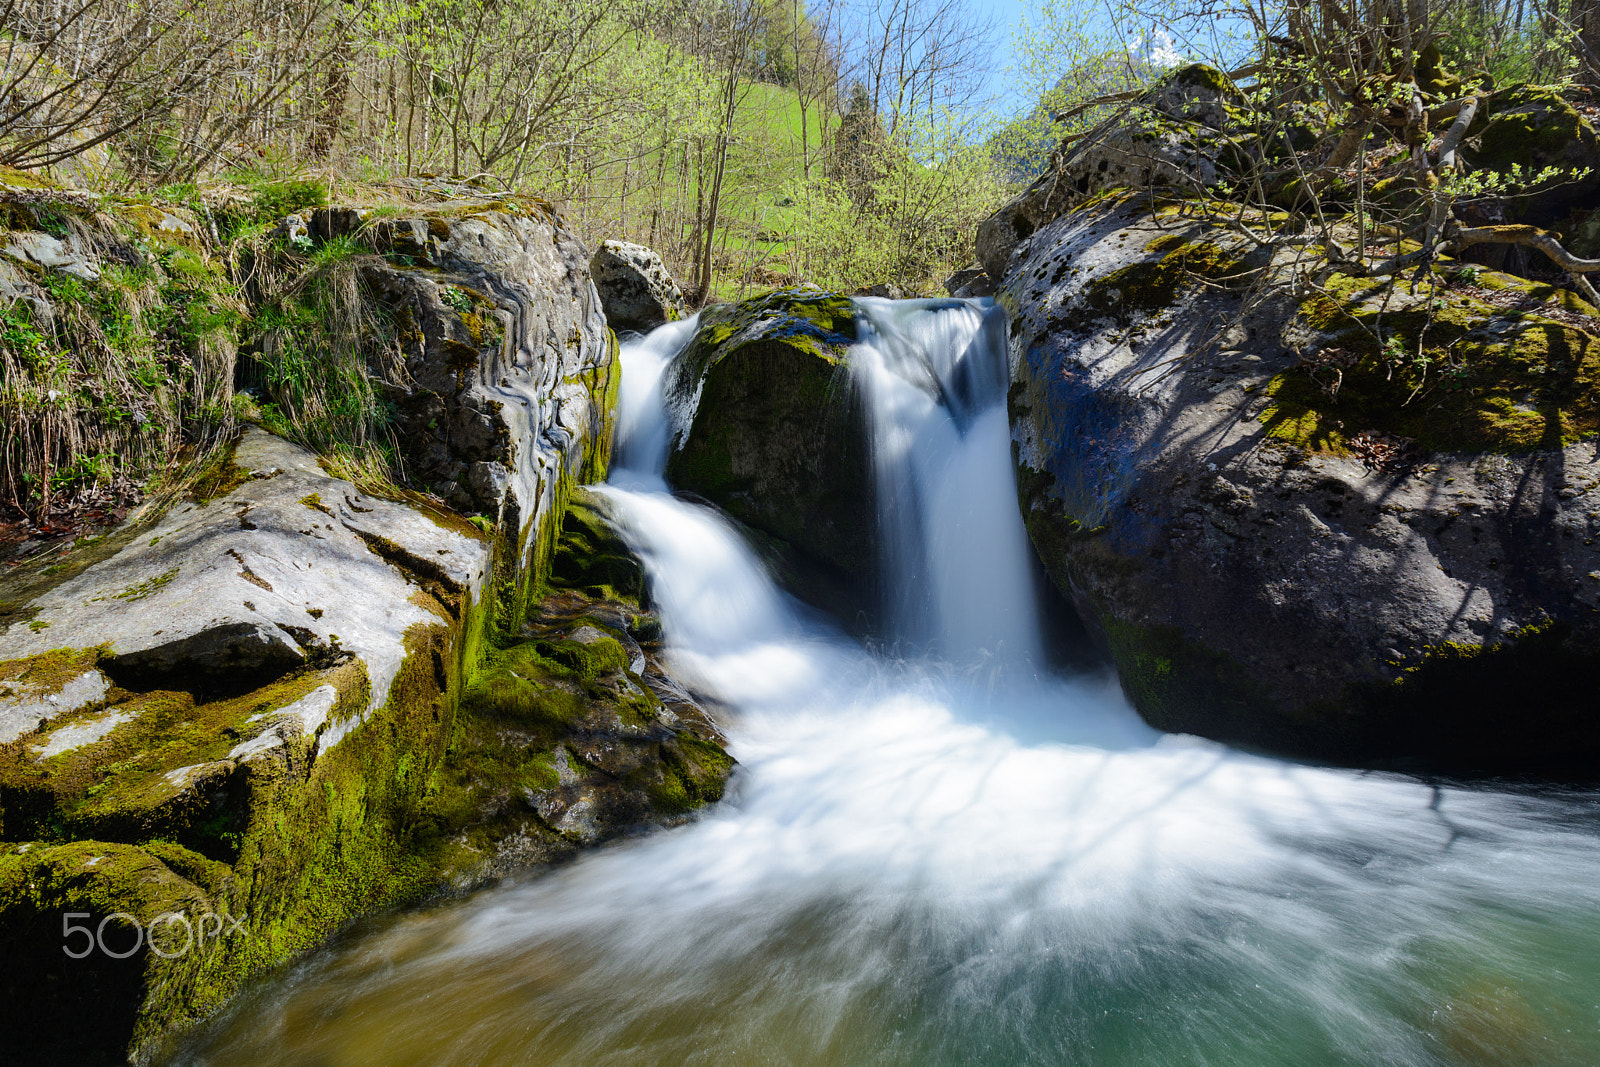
x: 923, y: 863
x: 953, y: 547
x: 644, y: 428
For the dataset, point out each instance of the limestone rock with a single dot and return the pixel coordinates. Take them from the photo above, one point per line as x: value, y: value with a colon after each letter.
x: 69, y: 256
x: 635, y: 289
x: 291, y: 566
x: 512, y: 373
x: 254, y: 688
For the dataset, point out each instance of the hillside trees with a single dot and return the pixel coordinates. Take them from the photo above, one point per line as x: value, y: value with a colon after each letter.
x: 709, y: 129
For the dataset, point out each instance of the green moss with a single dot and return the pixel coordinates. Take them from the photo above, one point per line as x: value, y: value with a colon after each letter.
x: 212, y: 877
x: 1526, y: 123
x: 118, y: 788
x: 603, y: 383
x: 813, y: 321
x: 591, y: 558
x: 46, y: 672
x: 25, y: 179
x: 1450, y: 371
x: 322, y: 847
x: 1153, y: 285
x: 1399, y: 190
x: 140, y: 590
x: 693, y: 773
x: 525, y: 697
x: 1202, y: 76
x: 218, y: 478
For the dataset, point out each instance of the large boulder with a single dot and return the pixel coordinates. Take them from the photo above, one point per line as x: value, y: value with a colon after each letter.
x: 1180, y: 134
x: 771, y: 429
x: 239, y: 702
x: 637, y: 292
x: 1353, y: 522
x: 1528, y: 129
x: 510, y: 372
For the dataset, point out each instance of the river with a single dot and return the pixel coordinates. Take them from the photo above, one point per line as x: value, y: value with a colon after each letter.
x: 939, y: 851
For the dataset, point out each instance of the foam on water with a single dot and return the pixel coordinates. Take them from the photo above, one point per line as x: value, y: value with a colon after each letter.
x: 962, y: 860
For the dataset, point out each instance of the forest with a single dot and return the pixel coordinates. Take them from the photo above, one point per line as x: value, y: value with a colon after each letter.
x: 752, y: 143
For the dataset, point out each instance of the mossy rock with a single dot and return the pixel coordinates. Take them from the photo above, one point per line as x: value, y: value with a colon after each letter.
x: 65, y: 1010
x: 1251, y: 537
x: 562, y: 741
x: 1446, y: 368
x: 1203, y: 76
x: 18, y: 178
x: 1433, y: 78
x: 1533, y: 128
x: 779, y: 439
x: 1153, y: 285
x: 810, y: 320
x: 590, y: 557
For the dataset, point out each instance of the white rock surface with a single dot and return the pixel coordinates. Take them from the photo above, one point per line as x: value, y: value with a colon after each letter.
x: 237, y: 591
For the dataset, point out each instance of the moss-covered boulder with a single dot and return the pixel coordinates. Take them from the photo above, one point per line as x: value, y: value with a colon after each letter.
x: 778, y: 438
x: 296, y: 713
x: 572, y: 730
x: 250, y: 694
x: 1183, y: 133
x: 1358, y: 521
x: 1525, y: 129
x: 239, y: 708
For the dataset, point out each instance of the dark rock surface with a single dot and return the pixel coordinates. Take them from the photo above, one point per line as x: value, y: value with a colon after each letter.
x: 1402, y: 571
x: 776, y: 436
x: 512, y: 369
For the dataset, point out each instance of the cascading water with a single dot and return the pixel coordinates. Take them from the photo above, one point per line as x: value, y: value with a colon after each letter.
x: 955, y: 552
x: 926, y: 863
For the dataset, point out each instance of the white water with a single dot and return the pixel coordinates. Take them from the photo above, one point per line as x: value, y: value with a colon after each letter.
x: 958, y: 860
x: 954, y: 549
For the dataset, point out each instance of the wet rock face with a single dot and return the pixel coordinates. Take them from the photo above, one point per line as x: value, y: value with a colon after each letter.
x: 777, y: 438
x: 635, y: 289
x: 574, y: 732
x: 1355, y: 575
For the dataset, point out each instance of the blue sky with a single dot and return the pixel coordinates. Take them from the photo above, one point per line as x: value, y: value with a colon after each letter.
x: 1009, y: 16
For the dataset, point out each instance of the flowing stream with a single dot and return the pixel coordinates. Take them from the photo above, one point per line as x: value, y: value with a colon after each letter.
x: 951, y: 856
